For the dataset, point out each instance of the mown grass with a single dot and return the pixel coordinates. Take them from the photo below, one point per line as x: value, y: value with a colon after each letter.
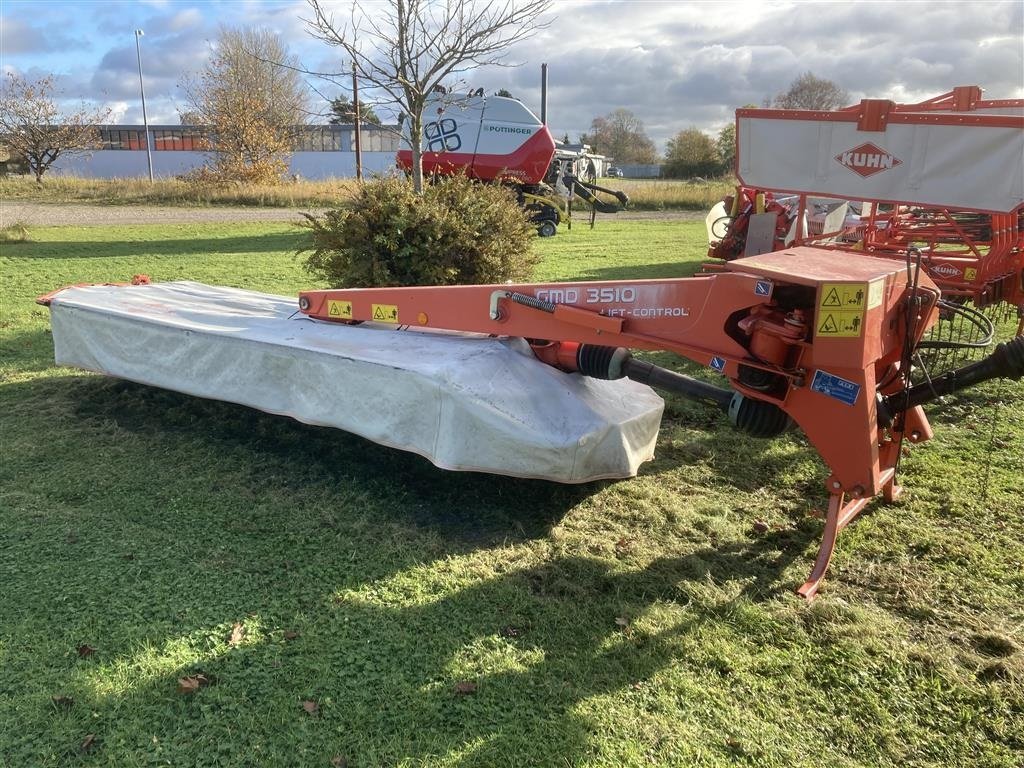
x: 645, y: 195
x: 644, y: 622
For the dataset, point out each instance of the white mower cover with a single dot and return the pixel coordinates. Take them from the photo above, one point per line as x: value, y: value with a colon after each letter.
x: 463, y: 401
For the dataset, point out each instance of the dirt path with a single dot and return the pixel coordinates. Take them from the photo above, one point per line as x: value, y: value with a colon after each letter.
x: 79, y: 214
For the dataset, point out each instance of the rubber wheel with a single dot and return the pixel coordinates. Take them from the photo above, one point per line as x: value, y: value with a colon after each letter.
x: 547, y: 229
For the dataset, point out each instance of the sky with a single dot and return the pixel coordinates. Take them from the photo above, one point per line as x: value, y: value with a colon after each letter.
x: 673, y: 64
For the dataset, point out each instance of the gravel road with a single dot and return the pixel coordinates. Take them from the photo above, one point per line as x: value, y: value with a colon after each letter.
x: 47, y: 214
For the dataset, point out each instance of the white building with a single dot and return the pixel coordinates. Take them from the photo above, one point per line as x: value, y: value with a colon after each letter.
x: 322, y: 152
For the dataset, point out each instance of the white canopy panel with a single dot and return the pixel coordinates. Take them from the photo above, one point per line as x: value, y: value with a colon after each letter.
x: 963, y: 167
x: 465, y: 402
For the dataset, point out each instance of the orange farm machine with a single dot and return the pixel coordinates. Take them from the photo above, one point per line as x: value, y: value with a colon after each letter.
x: 795, y: 335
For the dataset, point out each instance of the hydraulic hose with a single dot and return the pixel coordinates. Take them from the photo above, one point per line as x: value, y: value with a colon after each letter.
x: 1007, y: 361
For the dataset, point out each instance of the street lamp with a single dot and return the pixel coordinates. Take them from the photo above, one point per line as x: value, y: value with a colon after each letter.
x: 145, y: 121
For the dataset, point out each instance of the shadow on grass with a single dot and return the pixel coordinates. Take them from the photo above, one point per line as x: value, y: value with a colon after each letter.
x: 271, y: 242
x: 384, y: 677
x: 468, y: 506
x: 27, y: 351
x: 157, y: 567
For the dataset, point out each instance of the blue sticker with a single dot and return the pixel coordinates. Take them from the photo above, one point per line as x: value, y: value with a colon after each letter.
x: 718, y: 363
x: 763, y: 288
x: 838, y: 389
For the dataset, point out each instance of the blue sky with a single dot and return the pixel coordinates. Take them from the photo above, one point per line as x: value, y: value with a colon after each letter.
x: 674, y: 64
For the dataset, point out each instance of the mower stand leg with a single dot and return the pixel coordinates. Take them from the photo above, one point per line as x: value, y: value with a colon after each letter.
x: 840, y: 512
x: 891, y: 491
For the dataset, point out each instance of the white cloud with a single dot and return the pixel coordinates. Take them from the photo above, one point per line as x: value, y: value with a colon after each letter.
x: 187, y: 19
x: 674, y: 64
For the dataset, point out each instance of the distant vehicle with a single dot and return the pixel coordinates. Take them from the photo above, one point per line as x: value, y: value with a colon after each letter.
x: 614, y: 172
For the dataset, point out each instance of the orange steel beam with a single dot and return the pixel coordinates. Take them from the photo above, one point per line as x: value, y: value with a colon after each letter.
x: 819, y: 337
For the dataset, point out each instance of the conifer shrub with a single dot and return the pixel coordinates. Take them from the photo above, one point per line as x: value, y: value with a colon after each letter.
x: 457, y: 232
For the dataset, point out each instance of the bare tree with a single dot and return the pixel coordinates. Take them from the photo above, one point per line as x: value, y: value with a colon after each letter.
x: 410, y: 48
x: 811, y: 92
x: 251, y: 98
x: 33, y: 126
x: 621, y: 135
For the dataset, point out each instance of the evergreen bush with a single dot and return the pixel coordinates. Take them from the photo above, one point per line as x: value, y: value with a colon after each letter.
x: 457, y: 232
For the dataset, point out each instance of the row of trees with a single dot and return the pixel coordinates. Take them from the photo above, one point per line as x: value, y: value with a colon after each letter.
x: 692, y: 152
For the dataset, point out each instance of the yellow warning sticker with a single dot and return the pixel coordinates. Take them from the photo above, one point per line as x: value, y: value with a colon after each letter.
x: 384, y: 313
x: 840, y: 323
x: 843, y: 296
x: 970, y: 273
x: 339, y: 310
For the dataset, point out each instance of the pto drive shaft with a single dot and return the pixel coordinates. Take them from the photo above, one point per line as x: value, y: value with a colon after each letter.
x: 758, y: 418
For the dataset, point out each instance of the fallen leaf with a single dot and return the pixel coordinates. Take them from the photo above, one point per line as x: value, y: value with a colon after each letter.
x: 84, y: 651
x: 338, y: 761
x: 192, y: 683
x: 62, y: 701
x: 760, y: 526
x: 237, y: 634
x: 465, y: 687
x: 290, y: 634
x: 311, y: 707
x: 88, y: 742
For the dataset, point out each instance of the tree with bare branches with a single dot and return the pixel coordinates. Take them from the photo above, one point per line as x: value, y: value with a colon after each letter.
x: 621, y: 135
x: 811, y: 92
x: 251, y: 99
x: 411, y: 49
x: 33, y: 126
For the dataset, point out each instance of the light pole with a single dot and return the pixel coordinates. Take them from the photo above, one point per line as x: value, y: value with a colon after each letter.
x: 145, y: 121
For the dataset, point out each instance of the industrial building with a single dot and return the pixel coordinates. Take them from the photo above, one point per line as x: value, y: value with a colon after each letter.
x: 321, y: 152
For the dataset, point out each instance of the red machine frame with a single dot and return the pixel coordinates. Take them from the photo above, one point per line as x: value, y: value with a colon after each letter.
x: 818, y: 339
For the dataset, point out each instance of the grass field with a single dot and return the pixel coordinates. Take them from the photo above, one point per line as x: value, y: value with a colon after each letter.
x: 644, y: 194
x: 334, y: 602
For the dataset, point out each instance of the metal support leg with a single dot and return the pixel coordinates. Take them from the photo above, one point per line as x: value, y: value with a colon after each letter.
x: 840, y: 512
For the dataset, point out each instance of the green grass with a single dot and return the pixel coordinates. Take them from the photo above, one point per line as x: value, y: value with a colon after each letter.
x: 644, y: 622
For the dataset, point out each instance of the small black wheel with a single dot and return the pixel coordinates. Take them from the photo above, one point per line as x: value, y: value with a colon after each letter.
x: 547, y: 228
x: 720, y: 227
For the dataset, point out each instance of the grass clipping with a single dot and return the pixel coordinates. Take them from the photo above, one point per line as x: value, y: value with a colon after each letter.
x: 457, y: 232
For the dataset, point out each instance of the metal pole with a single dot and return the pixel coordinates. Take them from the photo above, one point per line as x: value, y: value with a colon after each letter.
x: 544, y: 93
x: 145, y: 121
x: 355, y: 109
